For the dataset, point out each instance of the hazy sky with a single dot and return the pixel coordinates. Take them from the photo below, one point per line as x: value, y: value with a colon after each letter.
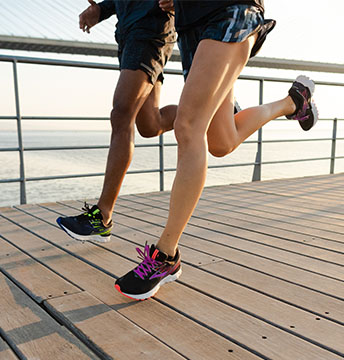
x: 306, y: 30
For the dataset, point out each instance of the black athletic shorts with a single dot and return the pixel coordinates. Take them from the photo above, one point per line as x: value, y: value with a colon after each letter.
x: 147, y: 47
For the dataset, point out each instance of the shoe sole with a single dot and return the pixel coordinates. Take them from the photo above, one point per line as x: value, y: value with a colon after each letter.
x: 309, y: 83
x: 306, y: 81
x: 152, y: 292
x: 83, y: 238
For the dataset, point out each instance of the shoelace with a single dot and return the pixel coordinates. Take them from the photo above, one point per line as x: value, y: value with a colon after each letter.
x: 88, y: 215
x: 149, y: 265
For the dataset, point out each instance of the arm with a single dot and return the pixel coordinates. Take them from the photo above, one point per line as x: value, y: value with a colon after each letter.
x: 96, y: 13
x: 107, y: 9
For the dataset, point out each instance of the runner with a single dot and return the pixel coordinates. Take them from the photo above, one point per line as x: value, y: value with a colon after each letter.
x: 145, y: 35
x: 216, y: 39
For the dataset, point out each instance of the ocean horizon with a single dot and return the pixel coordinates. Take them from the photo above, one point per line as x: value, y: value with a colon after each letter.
x: 67, y: 162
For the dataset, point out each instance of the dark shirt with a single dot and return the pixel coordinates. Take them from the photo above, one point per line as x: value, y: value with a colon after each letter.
x: 131, y: 13
x: 192, y: 12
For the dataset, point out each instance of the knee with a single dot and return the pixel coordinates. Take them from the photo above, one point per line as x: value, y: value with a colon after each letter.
x: 121, y: 118
x: 183, y: 133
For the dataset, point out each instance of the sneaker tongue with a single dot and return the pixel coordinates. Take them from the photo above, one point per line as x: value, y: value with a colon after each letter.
x: 155, y: 254
x: 96, y: 212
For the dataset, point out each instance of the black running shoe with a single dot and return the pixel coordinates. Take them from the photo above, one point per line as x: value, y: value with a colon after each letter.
x: 156, y: 269
x: 87, y: 226
x: 306, y: 112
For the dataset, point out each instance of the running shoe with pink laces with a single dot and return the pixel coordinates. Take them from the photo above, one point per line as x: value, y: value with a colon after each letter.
x: 306, y: 112
x: 156, y: 269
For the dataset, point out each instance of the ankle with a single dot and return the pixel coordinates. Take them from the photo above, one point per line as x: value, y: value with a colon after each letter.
x: 106, y: 215
x: 169, y: 250
x: 290, y: 105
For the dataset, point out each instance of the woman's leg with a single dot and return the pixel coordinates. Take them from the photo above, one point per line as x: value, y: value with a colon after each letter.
x: 215, y: 68
x: 226, y: 133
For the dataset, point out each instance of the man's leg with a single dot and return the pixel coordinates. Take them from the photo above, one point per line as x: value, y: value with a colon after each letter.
x: 132, y: 90
x: 151, y: 120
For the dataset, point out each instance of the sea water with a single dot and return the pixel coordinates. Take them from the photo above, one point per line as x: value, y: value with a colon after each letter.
x: 73, y: 162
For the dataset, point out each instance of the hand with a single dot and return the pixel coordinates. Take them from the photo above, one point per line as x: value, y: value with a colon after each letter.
x: 166, y: 5
x: 89, y: 17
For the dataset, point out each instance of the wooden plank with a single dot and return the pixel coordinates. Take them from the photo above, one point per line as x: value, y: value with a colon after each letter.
x: 290, y: 293
x: 5, y: 352
x: 32, y: 330
x: 274, y: 203
x: 96, y: 321
x: 123, y: 231
x: 36, y: 280
x: 249, y: 260
x: 280, y: 234
x: 286, y: 316
x: 239, y: 206
x: 100, y: 285
x: 238, y: 238
x: 272, y: 221
x: 307, y: 202
x: 77, y: 271
x: 268, y: 305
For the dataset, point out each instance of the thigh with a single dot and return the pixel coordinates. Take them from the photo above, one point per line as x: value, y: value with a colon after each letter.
x: 133, y: 88
x: 215, y: 68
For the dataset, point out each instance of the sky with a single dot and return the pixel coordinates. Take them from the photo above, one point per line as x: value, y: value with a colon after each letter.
x: 305, y: 30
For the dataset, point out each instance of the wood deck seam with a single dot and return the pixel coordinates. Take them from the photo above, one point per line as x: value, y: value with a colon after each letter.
x: 247, y: 267
x: 32, y: 257
x: 250, y: 230
x: 55, y: 244
x: 252, y: 222
x: 314, y: 342
x: 248, y: 252
x: 57, y: 319
x: 200, y: 268
x: 266, y: 294
x: 12, y: 345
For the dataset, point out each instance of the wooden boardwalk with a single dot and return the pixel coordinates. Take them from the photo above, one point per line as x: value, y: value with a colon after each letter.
x: 263, y: 278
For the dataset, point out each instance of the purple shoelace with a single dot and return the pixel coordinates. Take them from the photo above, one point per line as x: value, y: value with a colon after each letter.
x: 148, y: 265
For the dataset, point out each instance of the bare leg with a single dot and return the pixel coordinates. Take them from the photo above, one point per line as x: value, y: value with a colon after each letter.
x: 132, y: 89
x: 135, y: 99
x: 152, y: 121
x: 225, y: 135
x: 204, y: 97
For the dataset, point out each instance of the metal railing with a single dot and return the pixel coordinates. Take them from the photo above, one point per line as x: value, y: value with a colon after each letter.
x: 21, y: 149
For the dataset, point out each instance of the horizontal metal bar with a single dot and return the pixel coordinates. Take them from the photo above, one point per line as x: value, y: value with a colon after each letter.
x: 62, y: 177
x: 257, y: 62
x: 295, y: 140
x: 9, y: 149
x: 97, y: 147
x: 232, y: 165
x: 89, y: 118
x: 296, y: 160
x: 79, y: 118
x: 111, y: 50
x: 3, y: 181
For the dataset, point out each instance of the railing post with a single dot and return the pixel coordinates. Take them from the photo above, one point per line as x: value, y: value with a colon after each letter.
x: 257, y: 172
x: 20, y: 136
x: 161, y: 162
x: 333, y: 147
